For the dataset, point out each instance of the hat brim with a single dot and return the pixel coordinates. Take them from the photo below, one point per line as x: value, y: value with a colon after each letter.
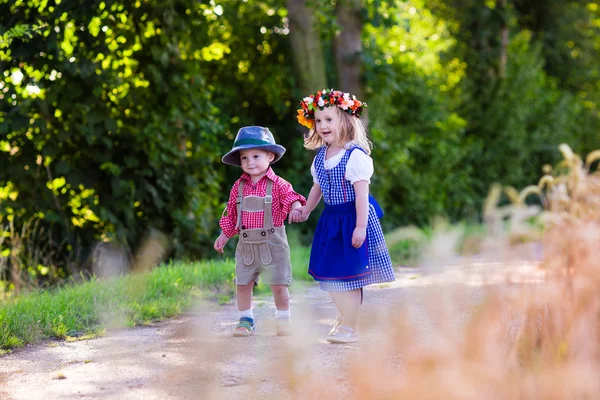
x: 233, y: 157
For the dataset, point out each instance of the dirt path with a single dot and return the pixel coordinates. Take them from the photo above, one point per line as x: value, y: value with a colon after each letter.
x: 195, y: 357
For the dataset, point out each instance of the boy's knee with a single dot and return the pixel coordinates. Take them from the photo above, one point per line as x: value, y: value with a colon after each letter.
x: 279, y: 289
x: 246, y: 288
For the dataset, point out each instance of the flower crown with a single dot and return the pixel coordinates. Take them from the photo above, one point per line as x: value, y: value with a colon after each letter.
x: 326, y: 98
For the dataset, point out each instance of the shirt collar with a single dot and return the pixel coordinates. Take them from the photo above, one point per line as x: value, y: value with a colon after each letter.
x: 270, y: 174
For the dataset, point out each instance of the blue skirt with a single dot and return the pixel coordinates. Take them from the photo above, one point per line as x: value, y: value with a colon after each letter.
x: 332, y: 255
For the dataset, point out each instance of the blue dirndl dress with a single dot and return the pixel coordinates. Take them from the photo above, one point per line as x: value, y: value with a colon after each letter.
x: 334, y: 262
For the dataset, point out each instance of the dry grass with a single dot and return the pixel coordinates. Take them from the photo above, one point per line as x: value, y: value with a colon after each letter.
x: 519, y: 339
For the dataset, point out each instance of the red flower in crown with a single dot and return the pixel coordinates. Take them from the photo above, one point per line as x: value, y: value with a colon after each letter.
x: 327, y: 98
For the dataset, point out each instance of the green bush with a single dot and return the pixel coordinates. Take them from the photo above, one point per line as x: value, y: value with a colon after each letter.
x: 111, y: 129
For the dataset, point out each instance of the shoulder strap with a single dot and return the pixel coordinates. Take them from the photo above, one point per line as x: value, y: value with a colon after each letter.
x: 321, y: 154
x: 268, y: 213
x: 351, y: 149
x: 319, y: 160
x: 238, y: 203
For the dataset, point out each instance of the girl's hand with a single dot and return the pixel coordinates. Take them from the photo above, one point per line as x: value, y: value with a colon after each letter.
x: 221, y: 242
x: 305, y: 213
x: 358, y: 236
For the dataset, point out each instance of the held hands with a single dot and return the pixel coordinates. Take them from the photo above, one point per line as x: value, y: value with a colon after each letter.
x: 358, y: 236
x: 221, y: 242
x: 299, y: 214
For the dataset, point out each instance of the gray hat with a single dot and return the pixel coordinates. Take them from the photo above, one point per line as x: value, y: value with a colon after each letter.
x: 253, y: 137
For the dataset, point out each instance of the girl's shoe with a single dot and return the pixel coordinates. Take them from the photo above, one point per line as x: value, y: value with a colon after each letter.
x: 244, y: 328
x: 344, y: 334
x: 338, y: 323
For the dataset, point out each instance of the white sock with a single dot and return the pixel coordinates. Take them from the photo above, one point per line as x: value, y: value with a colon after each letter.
x: 247, y: 313
x: 283, y: 314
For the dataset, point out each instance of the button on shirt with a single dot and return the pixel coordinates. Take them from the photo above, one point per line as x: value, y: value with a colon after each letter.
x: 283, y: 197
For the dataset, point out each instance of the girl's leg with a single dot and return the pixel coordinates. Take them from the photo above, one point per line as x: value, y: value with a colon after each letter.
x: 347, y: 304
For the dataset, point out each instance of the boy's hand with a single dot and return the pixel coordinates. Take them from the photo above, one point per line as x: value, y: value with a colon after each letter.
x: 221, y: 242
x: 294, y: 216
x: 299, y: 214
x: 358, y: 236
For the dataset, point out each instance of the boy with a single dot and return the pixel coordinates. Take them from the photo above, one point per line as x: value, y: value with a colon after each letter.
x: 258, y: 205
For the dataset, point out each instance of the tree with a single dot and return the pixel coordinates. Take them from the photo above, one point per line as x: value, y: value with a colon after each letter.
x: 306, y: 47
x: 348, y: 47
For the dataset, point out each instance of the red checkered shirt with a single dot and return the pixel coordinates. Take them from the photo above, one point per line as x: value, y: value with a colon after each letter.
x: 283, y: 197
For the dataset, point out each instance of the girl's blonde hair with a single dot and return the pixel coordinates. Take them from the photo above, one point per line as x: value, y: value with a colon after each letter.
x: 349, y: 129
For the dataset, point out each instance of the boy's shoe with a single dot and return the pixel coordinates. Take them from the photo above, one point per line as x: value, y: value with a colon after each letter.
x: 244, y: 328
x: 284, y: 327
x: 338, y: 323
x: 344, y: 334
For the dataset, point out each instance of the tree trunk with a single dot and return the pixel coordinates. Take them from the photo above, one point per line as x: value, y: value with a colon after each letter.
x: 306, y: 48
x: 348, y: 48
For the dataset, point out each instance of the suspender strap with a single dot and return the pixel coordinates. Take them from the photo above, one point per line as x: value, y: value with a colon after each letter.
x: 238, y: 203
x: 268, y: 203
x: 268, y: 214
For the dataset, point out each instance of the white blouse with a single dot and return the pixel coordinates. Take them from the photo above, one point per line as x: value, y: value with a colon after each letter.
x: 359, y: 167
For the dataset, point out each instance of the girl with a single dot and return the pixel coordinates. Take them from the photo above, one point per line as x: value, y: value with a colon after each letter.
x: 348, y: 250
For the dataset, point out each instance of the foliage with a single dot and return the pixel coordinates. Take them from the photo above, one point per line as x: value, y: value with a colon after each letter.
x: 19, y: 31
x: 419, y: 140
x: 569, y: 37
x: 525, y: 119
x: 561, y: 34
x: 254, y: 84
x: 114, y: 114
x: 446, y: 129
x: 108, y: 127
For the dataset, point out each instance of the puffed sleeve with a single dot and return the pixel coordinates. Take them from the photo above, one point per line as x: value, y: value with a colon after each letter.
x: 359, y: 167
x: 228, y: 220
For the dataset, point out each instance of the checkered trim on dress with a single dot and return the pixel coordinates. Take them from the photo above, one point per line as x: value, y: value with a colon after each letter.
x: 335, y: 193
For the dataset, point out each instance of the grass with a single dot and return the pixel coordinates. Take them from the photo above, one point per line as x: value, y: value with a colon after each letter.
x: 75, y: 312
x: 79, y: 311
x: 405, y: 244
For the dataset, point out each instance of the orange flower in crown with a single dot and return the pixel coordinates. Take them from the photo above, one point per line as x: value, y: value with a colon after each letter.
x: 309, y: 123
x: 327, y: 98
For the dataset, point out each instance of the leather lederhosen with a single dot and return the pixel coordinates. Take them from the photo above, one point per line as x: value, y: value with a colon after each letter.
x: 261, y: 251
